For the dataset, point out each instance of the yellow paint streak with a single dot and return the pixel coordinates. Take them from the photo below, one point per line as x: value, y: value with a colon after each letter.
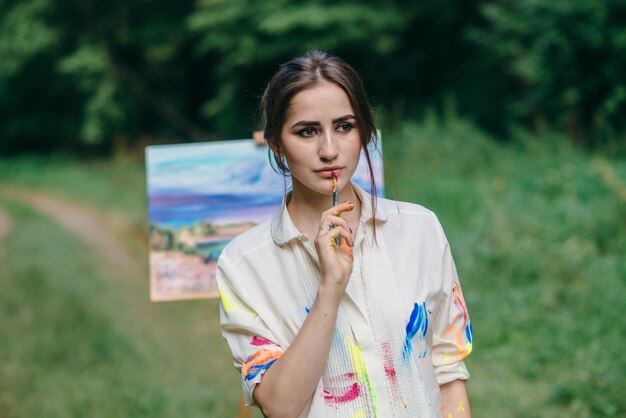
x: 230, y: 306
x: 361, y: 370
x: 461, y: 407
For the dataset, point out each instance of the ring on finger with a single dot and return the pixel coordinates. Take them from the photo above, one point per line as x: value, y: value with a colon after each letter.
x: 331, y: 226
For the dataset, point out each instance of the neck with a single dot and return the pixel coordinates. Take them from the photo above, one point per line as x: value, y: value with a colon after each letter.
x: 305, y: 208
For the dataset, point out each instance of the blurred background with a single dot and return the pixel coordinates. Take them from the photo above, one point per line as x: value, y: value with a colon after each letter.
x: 506, y: 118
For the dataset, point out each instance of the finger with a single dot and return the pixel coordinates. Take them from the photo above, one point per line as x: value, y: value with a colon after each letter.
x: 347, y: 251
x: 326, y: 225
x: 337, y: 221
x: 340, y: 208
x: 341, y: 233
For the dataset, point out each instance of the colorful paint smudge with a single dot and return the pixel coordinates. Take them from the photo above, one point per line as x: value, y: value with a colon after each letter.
x: 390, y: 372
x: 258, y: 362
x: 361, y: 371
x: 417, y: 325
x: 343, y: 389
x: 459, y: 301
x: 469, y: 333
x: 461, y: 328
x: 461, y: 407
x: 256, y: 341
x: 230, y: 306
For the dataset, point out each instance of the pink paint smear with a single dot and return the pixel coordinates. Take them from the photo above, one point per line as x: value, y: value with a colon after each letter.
x: 260, y: 341
x: 351, y: 395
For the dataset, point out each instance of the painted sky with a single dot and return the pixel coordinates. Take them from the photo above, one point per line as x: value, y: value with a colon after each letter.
x: 222, y: 182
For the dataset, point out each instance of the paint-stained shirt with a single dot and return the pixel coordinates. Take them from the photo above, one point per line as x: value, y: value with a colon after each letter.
x: 264, y: 303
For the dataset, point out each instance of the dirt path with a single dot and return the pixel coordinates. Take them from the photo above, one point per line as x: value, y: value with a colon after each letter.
x: 90, y: 225
x: 6, y: 224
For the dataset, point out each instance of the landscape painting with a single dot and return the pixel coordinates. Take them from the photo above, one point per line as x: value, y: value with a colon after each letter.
x: 200, y: 196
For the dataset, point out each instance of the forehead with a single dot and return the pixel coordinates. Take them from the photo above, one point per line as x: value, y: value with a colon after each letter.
x: 323, y: 100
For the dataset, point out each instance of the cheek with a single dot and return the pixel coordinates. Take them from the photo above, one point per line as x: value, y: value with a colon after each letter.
x: 294, y: 157
x: 355, y: 147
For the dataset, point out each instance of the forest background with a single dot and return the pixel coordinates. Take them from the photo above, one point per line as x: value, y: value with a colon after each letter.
x: 506, y: 118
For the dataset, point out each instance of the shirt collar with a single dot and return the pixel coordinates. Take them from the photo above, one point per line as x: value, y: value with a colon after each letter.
x: 284, y: 230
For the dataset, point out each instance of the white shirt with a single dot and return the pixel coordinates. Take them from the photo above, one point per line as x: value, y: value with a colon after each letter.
x: 264, y: 301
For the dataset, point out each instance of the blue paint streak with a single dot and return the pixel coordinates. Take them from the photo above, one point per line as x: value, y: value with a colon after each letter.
x: 255, y: 370
x: 417, y: 325
x: 469, y: 333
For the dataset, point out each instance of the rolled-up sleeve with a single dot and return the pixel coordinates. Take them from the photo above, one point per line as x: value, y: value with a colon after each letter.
x: 252, y: 344
x: 452, y: 333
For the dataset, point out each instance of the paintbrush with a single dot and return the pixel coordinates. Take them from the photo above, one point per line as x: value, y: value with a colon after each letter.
x: 335, y: 200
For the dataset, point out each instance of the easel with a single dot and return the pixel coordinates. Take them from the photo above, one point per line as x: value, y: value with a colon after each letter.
x: 244, y: 411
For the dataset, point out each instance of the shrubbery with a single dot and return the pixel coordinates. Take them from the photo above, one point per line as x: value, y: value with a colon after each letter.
x: 108, y: 74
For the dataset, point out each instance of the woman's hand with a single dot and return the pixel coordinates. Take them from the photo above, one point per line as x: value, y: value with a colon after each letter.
x: 336, y: 260
x: 275, y: 393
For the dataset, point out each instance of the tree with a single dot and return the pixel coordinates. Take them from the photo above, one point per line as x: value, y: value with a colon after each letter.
x: 567, y: 60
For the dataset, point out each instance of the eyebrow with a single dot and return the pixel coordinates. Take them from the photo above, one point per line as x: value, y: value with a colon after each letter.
x: 314, y: 123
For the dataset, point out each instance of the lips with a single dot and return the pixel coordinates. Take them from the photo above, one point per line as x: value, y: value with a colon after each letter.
x: 328, y: 172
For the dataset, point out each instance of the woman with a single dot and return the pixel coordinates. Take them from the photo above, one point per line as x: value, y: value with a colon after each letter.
x: 374, y: 326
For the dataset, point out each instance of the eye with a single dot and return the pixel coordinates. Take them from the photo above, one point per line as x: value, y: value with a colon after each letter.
x: 345, y: 127
x: 307, y: 132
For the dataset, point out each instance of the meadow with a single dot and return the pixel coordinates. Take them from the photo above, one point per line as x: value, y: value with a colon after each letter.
x: 537, y: 229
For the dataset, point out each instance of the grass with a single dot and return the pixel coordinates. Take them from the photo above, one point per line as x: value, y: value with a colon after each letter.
x: 536, y: 230
x: 80, y: 339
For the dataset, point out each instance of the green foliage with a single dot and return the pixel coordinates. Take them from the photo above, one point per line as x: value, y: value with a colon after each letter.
x: 567, y: 59
x: 25, y: 34
x: 104, y: 74
x: 201, y: 229
x: 103, y: 112
x: 251, y: 38
x: 161, y: 239
x: 79, y: 76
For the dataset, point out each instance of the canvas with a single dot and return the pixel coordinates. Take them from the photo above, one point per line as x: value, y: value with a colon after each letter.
x: 200, y: 196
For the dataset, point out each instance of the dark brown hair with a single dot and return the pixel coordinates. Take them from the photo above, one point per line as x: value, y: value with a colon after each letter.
x: 305, y: 72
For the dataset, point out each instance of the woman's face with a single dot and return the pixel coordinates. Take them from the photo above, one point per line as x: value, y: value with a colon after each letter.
x: 320, y: 136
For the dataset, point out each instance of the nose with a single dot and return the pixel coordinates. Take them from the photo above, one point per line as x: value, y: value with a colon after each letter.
x: 328, y: 149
